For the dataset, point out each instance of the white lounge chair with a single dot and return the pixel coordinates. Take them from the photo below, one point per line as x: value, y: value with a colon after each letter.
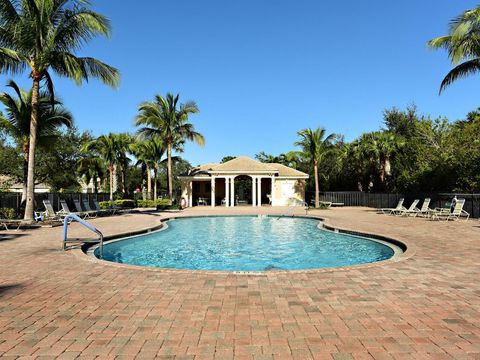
x: 9, y: 223
x: 49, y: 213
x: 456, y: 214
x: 390, y: 211
x: 411, y: 211
x: 66, y: 209
x: 105, y: 211
x: 88, y: 213
x: 425, y: 209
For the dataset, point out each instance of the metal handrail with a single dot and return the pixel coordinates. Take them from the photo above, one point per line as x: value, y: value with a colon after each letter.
x: 84, y: 223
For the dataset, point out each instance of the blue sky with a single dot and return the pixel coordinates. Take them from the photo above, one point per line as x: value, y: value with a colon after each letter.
x: 262, y: 70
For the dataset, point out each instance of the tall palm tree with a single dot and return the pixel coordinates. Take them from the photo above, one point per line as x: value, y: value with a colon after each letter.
x: 463, y: 46
x: 123, y: 142
x: 149, y: 154
x: 378, y: 147
x: 18, y: 108
x: 91, y: 168
x: 142, y: 152
x: 315, y: 144
x: 107, y: 147
x: 166, y: 118
x: 43, y: 36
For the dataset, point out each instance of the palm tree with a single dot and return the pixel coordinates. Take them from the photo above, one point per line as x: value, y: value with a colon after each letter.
x: 44, y: 35
x: 142, y: 152
x: 149, y: 154
x: 91, y: 168
x: 107, y: 147
x: 378, y: 147
x: 314, y: 144
x: 463, y: 46
x: 166, y: 118
x: 123, y: 142
x: 18, y: 109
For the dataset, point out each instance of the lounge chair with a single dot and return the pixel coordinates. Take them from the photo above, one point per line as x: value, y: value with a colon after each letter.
x: 100, y: 212
x: 411, y: 211
x: 456, y: 214
x: 79, y: 208
x: 390, y: 211
x: 425, y: 209
x: 49, y: 213
x: 66, y: 209
x: 8, y: 223
x: 105, y: 211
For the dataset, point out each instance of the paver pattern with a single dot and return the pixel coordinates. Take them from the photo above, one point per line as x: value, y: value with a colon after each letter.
x: 64, y: 305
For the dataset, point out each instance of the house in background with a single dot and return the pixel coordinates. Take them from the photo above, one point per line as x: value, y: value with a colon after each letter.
x: 7, y: 184
x: 243, y: 181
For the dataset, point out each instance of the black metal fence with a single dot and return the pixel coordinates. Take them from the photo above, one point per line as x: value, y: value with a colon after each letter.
x: 13, y: 200
x: 384, y: 200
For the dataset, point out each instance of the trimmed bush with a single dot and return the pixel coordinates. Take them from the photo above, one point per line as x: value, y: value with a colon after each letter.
x: 125, y: 203
x: 8, y: 213
x: 152, y: 203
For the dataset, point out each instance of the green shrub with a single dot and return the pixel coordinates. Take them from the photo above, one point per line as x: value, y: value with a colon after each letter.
x: 8, y: 213
x: 152, y: 203
x: 126, y: 203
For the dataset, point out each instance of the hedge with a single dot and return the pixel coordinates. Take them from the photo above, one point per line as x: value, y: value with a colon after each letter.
x: 125, y: 203
x: 8, y: 213
x: 153, y: 203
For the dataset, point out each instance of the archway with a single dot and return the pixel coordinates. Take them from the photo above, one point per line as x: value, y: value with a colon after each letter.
x: 243, y: 190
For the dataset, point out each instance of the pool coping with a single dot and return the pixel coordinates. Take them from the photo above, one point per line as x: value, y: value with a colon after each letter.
x: 408, y: 249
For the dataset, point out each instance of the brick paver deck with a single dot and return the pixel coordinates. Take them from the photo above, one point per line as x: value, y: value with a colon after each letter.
x: 56, y: 304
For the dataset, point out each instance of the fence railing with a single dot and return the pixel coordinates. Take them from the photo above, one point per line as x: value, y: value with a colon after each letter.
x: 13, y: 200
x: 385, y: 200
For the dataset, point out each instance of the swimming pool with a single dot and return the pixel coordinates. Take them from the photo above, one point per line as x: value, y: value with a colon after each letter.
x: 243, y: 243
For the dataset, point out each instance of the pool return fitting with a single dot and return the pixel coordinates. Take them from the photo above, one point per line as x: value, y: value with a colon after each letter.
x: 89, y: 226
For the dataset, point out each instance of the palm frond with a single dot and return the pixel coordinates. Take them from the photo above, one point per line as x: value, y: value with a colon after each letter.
x: 461, y: 71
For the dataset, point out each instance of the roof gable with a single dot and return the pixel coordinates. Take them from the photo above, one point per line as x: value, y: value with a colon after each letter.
x: 244, y: 164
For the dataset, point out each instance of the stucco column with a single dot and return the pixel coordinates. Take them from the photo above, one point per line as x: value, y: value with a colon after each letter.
x: 190, y: 193
x: 232, y: 192
x: 273, y: 188
x: 212, y: 191
x: 227, y: 192
x: 259, y: 187
x: 254, y: 191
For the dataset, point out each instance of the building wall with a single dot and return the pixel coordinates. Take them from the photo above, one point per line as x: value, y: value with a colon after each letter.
x: 289, y: 192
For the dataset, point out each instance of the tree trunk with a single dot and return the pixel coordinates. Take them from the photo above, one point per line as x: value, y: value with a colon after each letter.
x: 169, y: 171
x: 95, y: 183
x: 30, y: 205
x: 317, y: 191
x: 25, y: 172
x: 124, y: 176
x: 110, y: 169
x: 149, y: 183
x: 155, y: 182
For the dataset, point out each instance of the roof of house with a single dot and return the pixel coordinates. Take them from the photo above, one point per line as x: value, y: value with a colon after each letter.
x: 10, y: 183
x: 246, y: 165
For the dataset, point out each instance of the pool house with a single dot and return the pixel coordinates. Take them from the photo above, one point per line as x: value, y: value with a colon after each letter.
x: 243, y: 181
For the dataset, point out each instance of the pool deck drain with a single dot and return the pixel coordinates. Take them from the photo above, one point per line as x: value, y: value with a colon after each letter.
x: 56, y: 304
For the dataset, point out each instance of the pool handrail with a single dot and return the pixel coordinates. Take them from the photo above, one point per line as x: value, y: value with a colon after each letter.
x: 89, y: 226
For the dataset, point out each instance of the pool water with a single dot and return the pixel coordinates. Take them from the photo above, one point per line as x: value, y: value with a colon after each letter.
x: 245, y: 244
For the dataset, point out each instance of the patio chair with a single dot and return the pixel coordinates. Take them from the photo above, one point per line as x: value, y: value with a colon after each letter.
x: 66, y: 209
x: 390, y: 211
x: 100, y: 212
x: 49, y: 213
x: 425, y: 209
x: 456, y: 214
x: 411, y: 211
x: 109, y: 211
x: 79, y: 208
x: 8, y: 223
